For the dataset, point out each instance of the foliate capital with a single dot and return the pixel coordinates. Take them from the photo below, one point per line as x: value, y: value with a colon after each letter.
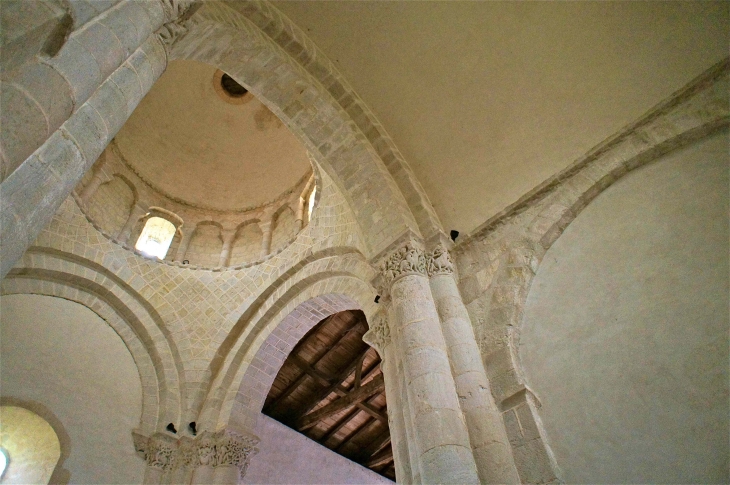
x: 378, y: 336
x: 221, y: 448
x: 407, y: 259
x: 439, y: 261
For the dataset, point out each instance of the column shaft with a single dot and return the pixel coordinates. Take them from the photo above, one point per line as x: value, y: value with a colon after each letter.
x: 267, y: 229
x: 491, y: 448
x: 134, y: 216
x: 228, y: 238
x: 30, y: 196
x: 42, y: 94
x: 182, y: 249
x: 91, y: 187
x: 440, y: 432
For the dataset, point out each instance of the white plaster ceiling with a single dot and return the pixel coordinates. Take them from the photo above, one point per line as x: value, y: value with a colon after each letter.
x: 190, y: 144
x: 488, y: 99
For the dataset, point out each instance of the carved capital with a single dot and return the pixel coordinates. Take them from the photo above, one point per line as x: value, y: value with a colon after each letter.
x: 177, y: 14
x: 235, y: 449
x: 408, y: 259
x: 378, y: 336
x: 207, y: 449
x: 439, y: 261
x: 160, y: 452
x: 174, y: 9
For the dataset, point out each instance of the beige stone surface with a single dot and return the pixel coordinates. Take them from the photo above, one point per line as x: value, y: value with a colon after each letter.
x: 30, y: 445
x: 190, y: 144
x: 626, y: 327
x: 487, y: 99
x: 64, y: 357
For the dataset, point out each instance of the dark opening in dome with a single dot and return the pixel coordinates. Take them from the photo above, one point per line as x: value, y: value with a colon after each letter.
x: 231, y: 87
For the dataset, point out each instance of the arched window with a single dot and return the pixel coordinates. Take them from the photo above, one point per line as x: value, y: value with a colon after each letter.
x: 156, y: 237
x: 311, y: 201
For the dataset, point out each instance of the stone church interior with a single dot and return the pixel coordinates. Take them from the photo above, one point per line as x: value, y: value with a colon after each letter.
x: 316, y: 242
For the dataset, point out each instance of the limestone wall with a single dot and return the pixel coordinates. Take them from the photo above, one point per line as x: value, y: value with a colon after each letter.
x: 118, y: 202
x: 625, y: 333
x: 497, y: 264
x: 60, y: 356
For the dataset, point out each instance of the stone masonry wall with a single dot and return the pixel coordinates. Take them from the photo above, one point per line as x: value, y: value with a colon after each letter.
x: 497, y: 263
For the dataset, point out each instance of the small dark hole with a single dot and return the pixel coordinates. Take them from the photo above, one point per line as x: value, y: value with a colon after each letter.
x: 454, y: 235
x: 231, y: 87
x: 185, y: 261
x: 193, y: 428
x: 377, y: 298
x: 171, y: 428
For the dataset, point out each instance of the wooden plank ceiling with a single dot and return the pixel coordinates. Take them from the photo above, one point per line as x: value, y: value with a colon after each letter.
x: 330, y: 389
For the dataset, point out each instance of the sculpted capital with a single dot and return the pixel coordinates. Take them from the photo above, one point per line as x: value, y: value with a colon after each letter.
x: 439, y: 261
x: 378, y: 336
x: 408, y: 259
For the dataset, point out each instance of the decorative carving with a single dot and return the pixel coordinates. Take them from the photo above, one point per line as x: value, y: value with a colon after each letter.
x: 160, y: 452
x: 406, y: 260
x: 206, y: 450
x: 379, y: 334
x: 174, y: 9
x: 222, y: 448
x: 439, y: 261
x: 177, y: 13
x: 235, y: 449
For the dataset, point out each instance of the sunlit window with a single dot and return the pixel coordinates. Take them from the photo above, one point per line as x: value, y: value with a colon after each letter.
x: 156, y: 237
x: 3, y: 462
x: 311, y: 202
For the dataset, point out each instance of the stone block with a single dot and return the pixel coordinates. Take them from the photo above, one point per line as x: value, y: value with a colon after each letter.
x: 441, y: 427
x: 109, y: 101
x: 79, y: 68
x: 24, y: 126
x: 128, y: 82
x: 89, y: 131
x: 103, y: 45
x: 448, y: 464
x: 49, y: 89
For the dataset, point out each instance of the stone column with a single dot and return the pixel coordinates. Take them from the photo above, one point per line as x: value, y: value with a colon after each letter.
x: 221, y: 457
x: 266, y: 229
x: 378, y: 337
x: 228, y: 236
x: 488, y: 437
x: 300, y: 213
x: 440, y: 433
x: 93, y: 185
x: 182, y: 249
x: 41, y: 94
x: 134, y: 217
x: 30, y: 195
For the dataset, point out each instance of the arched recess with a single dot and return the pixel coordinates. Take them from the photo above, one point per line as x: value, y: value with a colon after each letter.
x: 220, y: 34
x: 51, y: 273
x: 344, y: 276
x: 206, y: 244
x: 33, y: 446
x: 624, y: 333
x: 112, y: 203
x: 285, y: 227
x: 247, y: 243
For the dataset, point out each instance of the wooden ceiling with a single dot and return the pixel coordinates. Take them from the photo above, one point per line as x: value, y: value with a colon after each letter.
x: 330, y: 389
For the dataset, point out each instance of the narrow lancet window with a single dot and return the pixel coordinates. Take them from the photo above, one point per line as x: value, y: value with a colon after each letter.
x: 311, y: 202
x: 156, y: 237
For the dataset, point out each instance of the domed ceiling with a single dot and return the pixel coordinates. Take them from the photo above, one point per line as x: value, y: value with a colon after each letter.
x: 193, y: 143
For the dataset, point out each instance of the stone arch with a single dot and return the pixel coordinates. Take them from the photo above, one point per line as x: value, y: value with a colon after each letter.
x: 247, y: 243
x: 60, y: 474
x: 346, y: 273
x: 44, y: 272
x: 220, y: 34
x: 206, y: 244
x: 112, y: 203
x: 284, y: 228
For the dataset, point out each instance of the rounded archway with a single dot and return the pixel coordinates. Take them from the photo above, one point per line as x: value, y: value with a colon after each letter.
x: 624, y: 337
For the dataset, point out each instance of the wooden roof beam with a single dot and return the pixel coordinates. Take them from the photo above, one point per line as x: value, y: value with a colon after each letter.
x: 356, y: 396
